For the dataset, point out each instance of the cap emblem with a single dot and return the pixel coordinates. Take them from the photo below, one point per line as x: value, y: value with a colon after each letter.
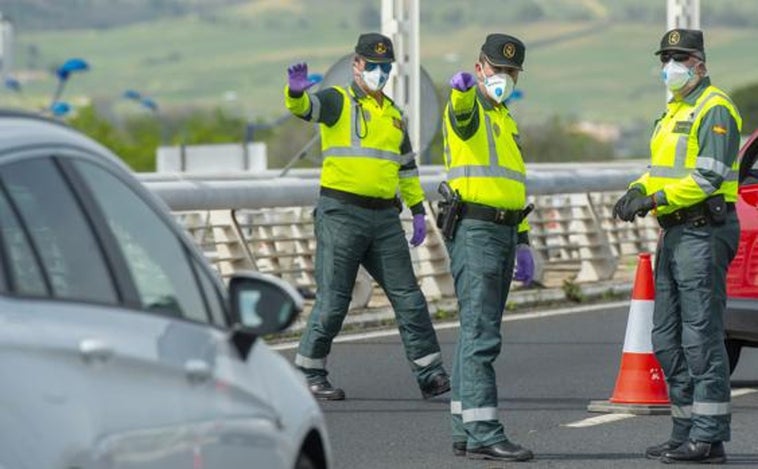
x: 509, y: 50
x: 380, y: 48
x: 674, y: 38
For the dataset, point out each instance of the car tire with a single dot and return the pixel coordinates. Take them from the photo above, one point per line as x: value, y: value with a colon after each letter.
x: 304, y: 462
x: 733, y: 349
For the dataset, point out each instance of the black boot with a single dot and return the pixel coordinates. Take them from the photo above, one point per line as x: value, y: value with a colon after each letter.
x: 459, y: 448
x: 696, y: 452
x: 438, y: 384
x: 655, y: 452
x: 324, y: 391
x: 505, y: 451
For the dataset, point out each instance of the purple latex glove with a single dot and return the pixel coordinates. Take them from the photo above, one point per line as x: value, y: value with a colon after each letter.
x: 462, y: 81
x: 297, y: 78
x: 419, y: 229
x: 524, y: 264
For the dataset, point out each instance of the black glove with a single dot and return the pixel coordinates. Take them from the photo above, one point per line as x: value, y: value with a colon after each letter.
x: 624, y: 200
x: 633, y: 204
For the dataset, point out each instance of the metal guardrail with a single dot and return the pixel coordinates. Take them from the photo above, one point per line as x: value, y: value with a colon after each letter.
x: 195, y: 192
x: 266, y: 224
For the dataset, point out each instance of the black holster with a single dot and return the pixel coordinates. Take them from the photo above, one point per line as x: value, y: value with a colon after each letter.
x: 448, y: 211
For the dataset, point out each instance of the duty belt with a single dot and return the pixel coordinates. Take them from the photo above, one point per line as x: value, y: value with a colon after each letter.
x: 363, y: 201
x: 487, y: 213
x: 697, y: 214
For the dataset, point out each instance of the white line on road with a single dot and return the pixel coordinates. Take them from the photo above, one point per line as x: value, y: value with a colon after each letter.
x: 454, y: 324
x: 588, y: 422
x: 742, y: 391
x: 600, y: 419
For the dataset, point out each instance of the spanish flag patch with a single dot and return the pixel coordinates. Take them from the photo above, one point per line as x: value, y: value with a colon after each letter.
x: 719, y: 129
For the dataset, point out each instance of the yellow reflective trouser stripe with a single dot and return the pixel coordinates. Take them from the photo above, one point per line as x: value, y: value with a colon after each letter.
x: 428, y: 359
x: 711, y: 408
x: 480, y: 414
x: 312, y: 363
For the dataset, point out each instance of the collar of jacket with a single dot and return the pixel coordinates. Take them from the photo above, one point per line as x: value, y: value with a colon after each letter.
x: 693, y: 95
x: 357, y: 91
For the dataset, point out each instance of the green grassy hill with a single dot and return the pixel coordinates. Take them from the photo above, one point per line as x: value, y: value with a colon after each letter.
x: 592, y: 67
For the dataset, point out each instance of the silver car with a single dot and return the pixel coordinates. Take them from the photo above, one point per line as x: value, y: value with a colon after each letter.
x: 119, y: 346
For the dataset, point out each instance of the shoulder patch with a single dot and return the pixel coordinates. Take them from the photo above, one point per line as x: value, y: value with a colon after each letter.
x: 719, y: 129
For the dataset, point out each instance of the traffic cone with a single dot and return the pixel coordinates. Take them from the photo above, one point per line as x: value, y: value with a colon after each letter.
x: 640, y: 385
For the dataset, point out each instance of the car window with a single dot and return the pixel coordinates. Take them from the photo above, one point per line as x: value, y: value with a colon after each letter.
x: 157, y: 259
x: 60, y: 234
x: 752, y: 175
x: 20, y: 264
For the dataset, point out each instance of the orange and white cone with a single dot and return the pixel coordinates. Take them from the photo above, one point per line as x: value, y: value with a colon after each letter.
x: 640, y: 385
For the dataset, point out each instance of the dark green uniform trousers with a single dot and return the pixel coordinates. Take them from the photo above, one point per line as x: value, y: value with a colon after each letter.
x: 481, y: 261
x: 348, y: 236
x: 688, y: 326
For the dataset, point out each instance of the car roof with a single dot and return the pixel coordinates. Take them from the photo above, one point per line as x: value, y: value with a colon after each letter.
x: 22, y: 130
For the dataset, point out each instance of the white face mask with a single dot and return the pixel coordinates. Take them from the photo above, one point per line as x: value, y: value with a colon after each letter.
x: 375, y: 79
x: 499, y: 86
x: 676, y: 75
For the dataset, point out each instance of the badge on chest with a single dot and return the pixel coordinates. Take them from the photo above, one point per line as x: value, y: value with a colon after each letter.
x: 682, y: 127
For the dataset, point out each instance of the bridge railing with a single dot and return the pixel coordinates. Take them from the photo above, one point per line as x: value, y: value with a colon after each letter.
x: 266, y: 224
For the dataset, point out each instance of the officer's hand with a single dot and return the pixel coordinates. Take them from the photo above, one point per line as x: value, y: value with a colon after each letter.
x: 639, y: 207
x: 623, y: 202
x: 462, y: 81
x: 524, y: 264
x: 297, y: 78
x: 419, y: 229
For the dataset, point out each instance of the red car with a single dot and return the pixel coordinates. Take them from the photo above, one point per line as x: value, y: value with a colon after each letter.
x: 742, y: 278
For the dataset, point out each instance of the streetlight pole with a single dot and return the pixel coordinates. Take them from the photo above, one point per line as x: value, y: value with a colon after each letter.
x: 400, y: 22
x: 683, y: 14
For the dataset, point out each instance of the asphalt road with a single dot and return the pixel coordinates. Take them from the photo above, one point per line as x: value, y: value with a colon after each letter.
x: 548, y: 371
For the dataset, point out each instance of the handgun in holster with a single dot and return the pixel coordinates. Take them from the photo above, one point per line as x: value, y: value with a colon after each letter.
x: 526, y: 211
x: 449, y: 210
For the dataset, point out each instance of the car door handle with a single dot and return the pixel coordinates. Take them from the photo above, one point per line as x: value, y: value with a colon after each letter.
x: 95, y: 350
x: 197, y: 371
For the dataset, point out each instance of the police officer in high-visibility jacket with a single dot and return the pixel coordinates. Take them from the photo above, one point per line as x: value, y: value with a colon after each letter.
x: 486, y: 169
x: 691, y: 188
x: 367, y: 156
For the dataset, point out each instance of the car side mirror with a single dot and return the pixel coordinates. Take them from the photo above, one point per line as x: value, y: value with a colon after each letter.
x: 260, y: 304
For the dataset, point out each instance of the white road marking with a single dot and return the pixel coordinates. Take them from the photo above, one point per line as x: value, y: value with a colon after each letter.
x: 600, y: 419
x: 742, y: 391
x: 454, y: 324
x: 608, y: 418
